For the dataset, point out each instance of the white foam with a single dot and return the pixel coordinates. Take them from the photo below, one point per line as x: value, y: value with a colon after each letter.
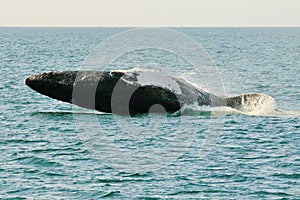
x: 195, y: 109
x: 260, y: 104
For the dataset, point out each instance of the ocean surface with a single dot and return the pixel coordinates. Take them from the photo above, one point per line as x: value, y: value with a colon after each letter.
x: 54, y: 150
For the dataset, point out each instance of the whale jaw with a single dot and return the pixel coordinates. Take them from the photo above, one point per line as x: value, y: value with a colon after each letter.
x: 57, y: 85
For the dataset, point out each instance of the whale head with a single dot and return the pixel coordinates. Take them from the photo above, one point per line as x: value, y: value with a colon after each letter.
x: 57, y: 85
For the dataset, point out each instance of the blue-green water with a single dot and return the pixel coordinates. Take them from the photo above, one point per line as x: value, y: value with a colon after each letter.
x: 43, y: 155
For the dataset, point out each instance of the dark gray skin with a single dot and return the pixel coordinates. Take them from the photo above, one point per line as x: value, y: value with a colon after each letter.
x: 108, y: 92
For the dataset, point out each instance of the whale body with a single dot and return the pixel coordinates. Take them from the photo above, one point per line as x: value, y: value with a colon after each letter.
x: 130, y: 92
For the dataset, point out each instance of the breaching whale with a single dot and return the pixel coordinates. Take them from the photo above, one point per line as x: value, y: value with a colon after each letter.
x: 131, y: 92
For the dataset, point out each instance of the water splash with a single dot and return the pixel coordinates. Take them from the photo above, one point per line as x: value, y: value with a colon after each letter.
x: 256, y: 104
x: 250, y: 104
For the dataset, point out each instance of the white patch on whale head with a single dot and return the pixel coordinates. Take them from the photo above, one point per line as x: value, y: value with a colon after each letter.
x: 150, y: 77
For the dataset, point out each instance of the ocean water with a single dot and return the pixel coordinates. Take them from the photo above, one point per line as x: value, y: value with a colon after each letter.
x: 53, y: 150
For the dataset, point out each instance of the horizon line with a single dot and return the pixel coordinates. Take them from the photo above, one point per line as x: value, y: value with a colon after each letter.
x: 152, y: 26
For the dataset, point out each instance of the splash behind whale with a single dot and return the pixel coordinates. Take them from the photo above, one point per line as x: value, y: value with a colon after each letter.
x: 134, y: 92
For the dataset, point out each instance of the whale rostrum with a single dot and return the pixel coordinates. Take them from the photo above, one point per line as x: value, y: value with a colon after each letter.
x: 129, y: 92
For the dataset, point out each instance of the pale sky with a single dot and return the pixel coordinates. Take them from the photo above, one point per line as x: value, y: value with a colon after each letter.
x: 165, y: 13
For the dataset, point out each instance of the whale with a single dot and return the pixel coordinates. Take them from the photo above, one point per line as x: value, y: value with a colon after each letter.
x: 132, y: 92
